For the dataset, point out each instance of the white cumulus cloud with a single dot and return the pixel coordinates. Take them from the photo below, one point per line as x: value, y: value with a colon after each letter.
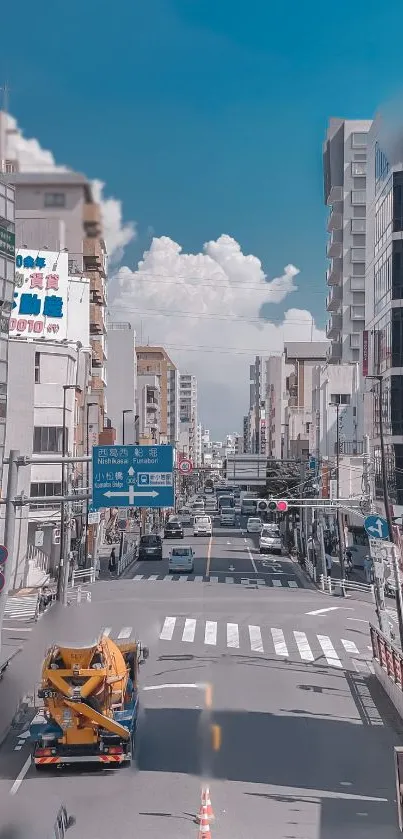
x: 33, y: 158
x: 205, y: 309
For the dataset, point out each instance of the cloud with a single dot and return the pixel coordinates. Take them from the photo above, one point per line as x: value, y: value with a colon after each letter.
x: 204, y: 308
x: 33, y: 158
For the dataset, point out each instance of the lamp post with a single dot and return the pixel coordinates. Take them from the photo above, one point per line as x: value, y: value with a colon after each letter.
x: 61, y: 575
x: 126, y: 411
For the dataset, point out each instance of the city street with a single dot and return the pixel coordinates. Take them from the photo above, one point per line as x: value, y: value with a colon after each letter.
x: 290, y: 675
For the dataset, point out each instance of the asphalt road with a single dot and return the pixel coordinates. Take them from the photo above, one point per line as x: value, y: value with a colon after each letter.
x: 307, y: 738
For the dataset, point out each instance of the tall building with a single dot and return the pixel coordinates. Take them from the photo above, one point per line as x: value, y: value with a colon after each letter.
x: 303, y: 357
x: 383, y: 337
x: 345, y: 169
x: 7, y: 271
x: 188, y: 435
x: 121, y: 387
x: 155, y: 361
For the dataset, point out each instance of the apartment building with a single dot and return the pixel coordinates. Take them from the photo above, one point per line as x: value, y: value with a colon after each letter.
x: 383, y: 337
x: 149, y: 409
x: 345, y: 178
x: 302, y: 357
x: 7, y: 272
x: 121, y: 389
x: 156, y: 361
x: 188, y: 433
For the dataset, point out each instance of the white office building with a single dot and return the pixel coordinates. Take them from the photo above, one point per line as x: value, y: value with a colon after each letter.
x: 121, y: 390
x: 188, y: 443
x: 345, y: 170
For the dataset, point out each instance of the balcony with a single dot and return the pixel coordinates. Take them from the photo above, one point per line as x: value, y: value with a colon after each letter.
x: 335, y: 221
x: 334, y: 274
x: 97, y: 324
x: 335, y: 195
x: 92, y: 219
x: 334, y: 352
x: 93, y: 254
x: 97, y: 288
x: 334, y: 250
x: 334, y: 326
x: 98, y: 354
x: 334, y: 298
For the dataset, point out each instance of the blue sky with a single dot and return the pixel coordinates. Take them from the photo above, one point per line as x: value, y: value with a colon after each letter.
x: 205, y: 117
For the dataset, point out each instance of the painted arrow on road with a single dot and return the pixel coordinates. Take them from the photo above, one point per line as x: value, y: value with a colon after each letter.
x: 131, y: 494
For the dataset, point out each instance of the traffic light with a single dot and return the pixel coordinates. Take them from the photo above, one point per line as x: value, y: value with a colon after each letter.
x: 280, y: 506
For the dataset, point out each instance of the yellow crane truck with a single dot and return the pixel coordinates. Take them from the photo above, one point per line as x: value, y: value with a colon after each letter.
x: 90, y: 704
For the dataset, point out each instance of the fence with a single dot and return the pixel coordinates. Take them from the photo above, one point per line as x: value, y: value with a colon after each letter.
x: 331, y: 585
x: 388, y: 657
x: 126, y: 559
x: 83, y: 575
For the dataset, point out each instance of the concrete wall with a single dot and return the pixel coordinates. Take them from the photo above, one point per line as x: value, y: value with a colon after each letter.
x: 54, y: 227
x: 122, y: 380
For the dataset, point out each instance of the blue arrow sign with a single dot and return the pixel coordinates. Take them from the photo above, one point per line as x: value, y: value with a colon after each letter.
x: 376, y: 527
x: 132, y: 476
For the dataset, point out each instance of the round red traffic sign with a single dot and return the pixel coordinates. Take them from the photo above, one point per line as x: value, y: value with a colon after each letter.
x: 185, y: 466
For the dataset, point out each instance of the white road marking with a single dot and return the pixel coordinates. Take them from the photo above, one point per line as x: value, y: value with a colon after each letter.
x: 183, y: 578
x: 280, y: 646
x: 232, y: 635
x: 292, y: 584
x: 358, y: 620
x: 329, y: 651
x: 168, y: 629
x: 229, y: 579
x: 277, y: 583
x: 244, y: 581
x: 20, y: 777
x: 303, y: 646
x: 173, y: 685
x: 213, y: 579
x: 255, y: 637
x: 138, y: 577
x: 153, y: 577
x: 329, y: 609
x: 350, y: 647
x: 16, y: 629
x: 198, y: 579
x: 125, y: 632
x: 189, y: 630
x: 252, y: 560
x: 106, y: 631
x: 260, y: 582
x: 18, y: 748
x: 210, y: 635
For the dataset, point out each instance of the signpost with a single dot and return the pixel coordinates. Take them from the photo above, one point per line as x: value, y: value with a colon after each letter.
x: 185, y: 466
x: 132, y: 476
x: 376, y: 527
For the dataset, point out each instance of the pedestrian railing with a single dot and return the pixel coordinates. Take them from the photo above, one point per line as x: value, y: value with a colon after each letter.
x: 388, y: 656
x: 83, y: 575
x: 125, y: 560
x: 331, y: 585
x: 311, y: 568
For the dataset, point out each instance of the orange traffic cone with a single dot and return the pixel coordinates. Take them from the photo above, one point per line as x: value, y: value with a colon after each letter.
x: 206, y: 811
x: 204, y: 829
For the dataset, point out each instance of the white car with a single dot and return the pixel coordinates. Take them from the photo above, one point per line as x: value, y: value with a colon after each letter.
x: 197, y: 507
x: 202, y: 526
x: 270, y: 540
x: 181, y: 559
x: 184, y: 516
x: 227, y: 517
x: 253, y: 525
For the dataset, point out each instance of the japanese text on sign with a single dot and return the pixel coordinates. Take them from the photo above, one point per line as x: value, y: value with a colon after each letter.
x: 40, y: 297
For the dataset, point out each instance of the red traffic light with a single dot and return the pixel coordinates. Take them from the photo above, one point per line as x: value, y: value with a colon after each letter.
x: 282, y: 506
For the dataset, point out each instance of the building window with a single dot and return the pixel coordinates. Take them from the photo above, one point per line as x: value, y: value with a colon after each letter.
x: 358, y: 225
x: 398, y: 202
x: 48, y: 439
x: 357, y: 254
x: 340, y: 398
x: 381, y: 166
x: 357, y: 312
x: 55, y: 199
x: 38, y: 490
x: 358, y: 196
x: 383, y: 280
x: 383, y: 216
x: 358, y: 140
x: 37, y: 368
x: 397, y: 270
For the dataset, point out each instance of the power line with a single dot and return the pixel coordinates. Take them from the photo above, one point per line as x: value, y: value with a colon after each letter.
x: 209, y: 315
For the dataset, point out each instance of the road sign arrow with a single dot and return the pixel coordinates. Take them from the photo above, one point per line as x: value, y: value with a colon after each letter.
x: 131, y: 493
x: 130, y: 471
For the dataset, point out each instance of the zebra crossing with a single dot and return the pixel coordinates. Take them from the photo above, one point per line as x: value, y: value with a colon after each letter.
x: 272, y: 641
x: 21, y: 607
x: 269, y: 581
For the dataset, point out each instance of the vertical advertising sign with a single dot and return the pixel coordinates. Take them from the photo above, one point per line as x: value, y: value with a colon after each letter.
x: 365, y: 351
x: 41, y: 293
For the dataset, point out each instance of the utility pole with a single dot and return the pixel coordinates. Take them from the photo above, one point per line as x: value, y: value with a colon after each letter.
x: 9, y: 532
x: 67, y: 540
x: 339, y: 522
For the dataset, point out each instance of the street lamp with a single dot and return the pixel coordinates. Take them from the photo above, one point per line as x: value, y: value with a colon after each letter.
x: 126, y: 411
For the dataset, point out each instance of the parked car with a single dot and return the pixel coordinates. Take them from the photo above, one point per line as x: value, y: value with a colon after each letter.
x: 181, y: 559
x: 173, y: 530
x: 227, y: 517
x: 270, y: 540
x: 150, y: 547
x: 253, y: 525
x: 202, y: 526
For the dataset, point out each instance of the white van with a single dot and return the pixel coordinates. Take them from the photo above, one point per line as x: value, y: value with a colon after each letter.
x: 181, y: 559
x: 202, y: 526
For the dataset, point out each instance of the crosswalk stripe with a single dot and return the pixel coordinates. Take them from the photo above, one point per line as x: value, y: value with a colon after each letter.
x: 198, y: 579
x: 125, y: 632
x: 229, y: 579
x: 138, y: 577
x: 213, y: 579
x: 277, y: 583
x: 303, y: 646
x: 255, y: 637
x: 329, y: 651
x: 280, y: 646
x: 168, y: 629
x: 189, y: 630
x: 153, y: 577
x: 210, y: 635
x: 232, y: 635
x: 183, y: 579
x: 350, y: 647
x: 260, y: 582
x: 106, y: 631
x: 292, y: 584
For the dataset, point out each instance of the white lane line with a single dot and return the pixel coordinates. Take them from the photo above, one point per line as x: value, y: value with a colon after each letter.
x: 358, y: 620
x: 280, y: 646
x: 255, y: 637
x: 198, y: 579
x: 153, y: 577
x: 232, y: 635
x: 168, y: 629
x: 292, y: 584
x: 189, y: 630
x: 277, y: 583
x: 303, y: 646
x: 138, y: 577
x: 106, y: 631
x: 322, y: 611
x: 125, y: 632
x: 16, y: 629
x: 210, y: 635
x: 229, y: 579
x: 329, y: 651
x: 350, y: 647
x: 252, y: 560
x: 173, y: 685
x: 20, y: 777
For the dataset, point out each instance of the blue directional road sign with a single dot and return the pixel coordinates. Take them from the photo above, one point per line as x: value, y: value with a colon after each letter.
x: 376, y: 527
x: 132, y: 476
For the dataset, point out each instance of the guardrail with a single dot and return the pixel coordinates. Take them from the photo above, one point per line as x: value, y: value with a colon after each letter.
x: 125, y: 560
x: 387, y: 655
x: 330, y: 585
x: 83, y: 575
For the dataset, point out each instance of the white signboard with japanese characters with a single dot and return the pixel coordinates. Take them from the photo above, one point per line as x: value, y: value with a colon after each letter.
x: 41, y: 294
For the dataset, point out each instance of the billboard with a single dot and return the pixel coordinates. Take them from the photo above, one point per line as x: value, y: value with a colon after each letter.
x: 41, y: 294
x: 365, y: 351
